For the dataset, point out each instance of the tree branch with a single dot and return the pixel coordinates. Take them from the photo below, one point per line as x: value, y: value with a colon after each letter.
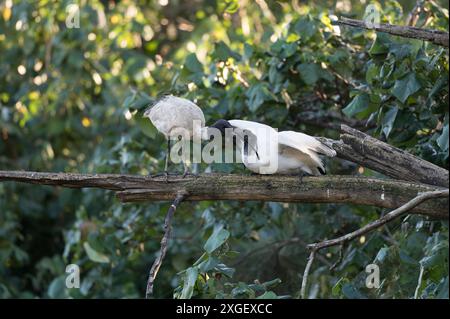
x: 435, y: 36
x: 358, y: 147
x: 381, y: 221
x: 306, y: 274
x: 316, y: 247
x: 324, y: 189
x: 164, y: 244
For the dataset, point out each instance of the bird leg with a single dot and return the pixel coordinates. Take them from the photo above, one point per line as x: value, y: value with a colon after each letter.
x: 186, y: 169
x: 166, y: 165
x: 301, y: 174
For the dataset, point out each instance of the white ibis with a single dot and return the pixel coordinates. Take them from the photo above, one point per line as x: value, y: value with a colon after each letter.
x: 173, y: 115
x: 275, y: 152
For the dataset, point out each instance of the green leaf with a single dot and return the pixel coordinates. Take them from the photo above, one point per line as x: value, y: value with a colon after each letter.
x: 337, y: 288
x: 351, y: 292
x: 94, y: 255
x: 145, y: 125
x: 232, y: 6
x: 208, y: 264
x: 405, y: 87
x: 223, y: 269
x: 382, y: 253
x: 442, y: 289
x: 268, y: 295
x: 217, y: 238
x: 193, y: 64
x: 128, y: 100
x: 57, y: 288
x: 306, y: 28
x: 223, y: 52
x: 309, y: 72
x: 388, y: 120
x: 189, y: 283
x: 380, y: 45
x: 442, y: 140
x: 256, y: 95
x: 357, y: 105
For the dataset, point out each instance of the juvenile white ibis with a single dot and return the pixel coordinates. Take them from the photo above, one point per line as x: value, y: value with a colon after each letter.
x: 173, y: 115
x: 273, y: 152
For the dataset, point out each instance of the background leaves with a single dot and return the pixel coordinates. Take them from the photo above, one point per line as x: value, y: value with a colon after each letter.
x: 72, y: 100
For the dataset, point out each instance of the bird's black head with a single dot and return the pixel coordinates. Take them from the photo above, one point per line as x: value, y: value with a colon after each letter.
x: 221, y: 125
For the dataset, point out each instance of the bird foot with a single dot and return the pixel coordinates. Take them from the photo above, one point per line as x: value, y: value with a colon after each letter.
x: 165, y: 174
x: 187, y: 172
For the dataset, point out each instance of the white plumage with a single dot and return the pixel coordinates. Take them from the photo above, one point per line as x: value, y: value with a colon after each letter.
x: 170, y: 114
x: 174, y: 116
x: 282, y: 152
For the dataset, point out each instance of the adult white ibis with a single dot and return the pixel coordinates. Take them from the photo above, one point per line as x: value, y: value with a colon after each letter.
x: 174, y: 116
x: 273, y: 152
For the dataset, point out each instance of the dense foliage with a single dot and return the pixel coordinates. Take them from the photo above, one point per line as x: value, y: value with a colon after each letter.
x: 71, y: 100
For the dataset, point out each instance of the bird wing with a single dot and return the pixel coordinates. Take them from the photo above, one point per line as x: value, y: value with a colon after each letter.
x: 304, y: 143
x: 307, y: 145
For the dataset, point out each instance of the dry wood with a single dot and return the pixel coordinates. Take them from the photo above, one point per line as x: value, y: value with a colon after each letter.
x: 324, y: 189
x: 360, y: 148
x: 435, y: 36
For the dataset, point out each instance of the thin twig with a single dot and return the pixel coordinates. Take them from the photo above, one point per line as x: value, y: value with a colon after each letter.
x: 396, y: 213
x: 381, y: 221
x: 164, y: 244
x: 306, y: 274
x: 341, y: 256
x: 419, y: 283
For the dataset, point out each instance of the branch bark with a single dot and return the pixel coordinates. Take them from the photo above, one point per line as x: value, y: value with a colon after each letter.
x: 277, y: 188
x: 435, y: 36
x: 164, y: 244
x: 358, y: 147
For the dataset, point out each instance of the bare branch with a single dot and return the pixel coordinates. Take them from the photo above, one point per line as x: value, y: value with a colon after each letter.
x: 360, y: 148
x: 164, y: 244
x: 277, y: 188
x: 306, y: 274
x: 435, y: 36
x: 316, y: 247
x: 381, y: 221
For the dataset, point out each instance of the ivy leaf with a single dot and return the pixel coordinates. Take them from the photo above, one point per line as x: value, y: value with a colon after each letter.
x: 256, y: 96
x: 268, y: 295
x: 189, y: 283
x: 223, y: 52
x: 442, y: 140
x: 351, y: 292
x: 57, y: 288
x: 305, y: 28
x: 145, y: 125
x: 442, y: 289
x: 128, y: 100
x: 382, y: 254
x: 94, y: 255
x: 380, y: 45
x: 223, y: 269
x: 405, y: 87
x: 309, y: 72
x: 193, y: 64
x: 208, y: 264
x: 357, y: 105
x: 217, y: 238
x: 388, y: 120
